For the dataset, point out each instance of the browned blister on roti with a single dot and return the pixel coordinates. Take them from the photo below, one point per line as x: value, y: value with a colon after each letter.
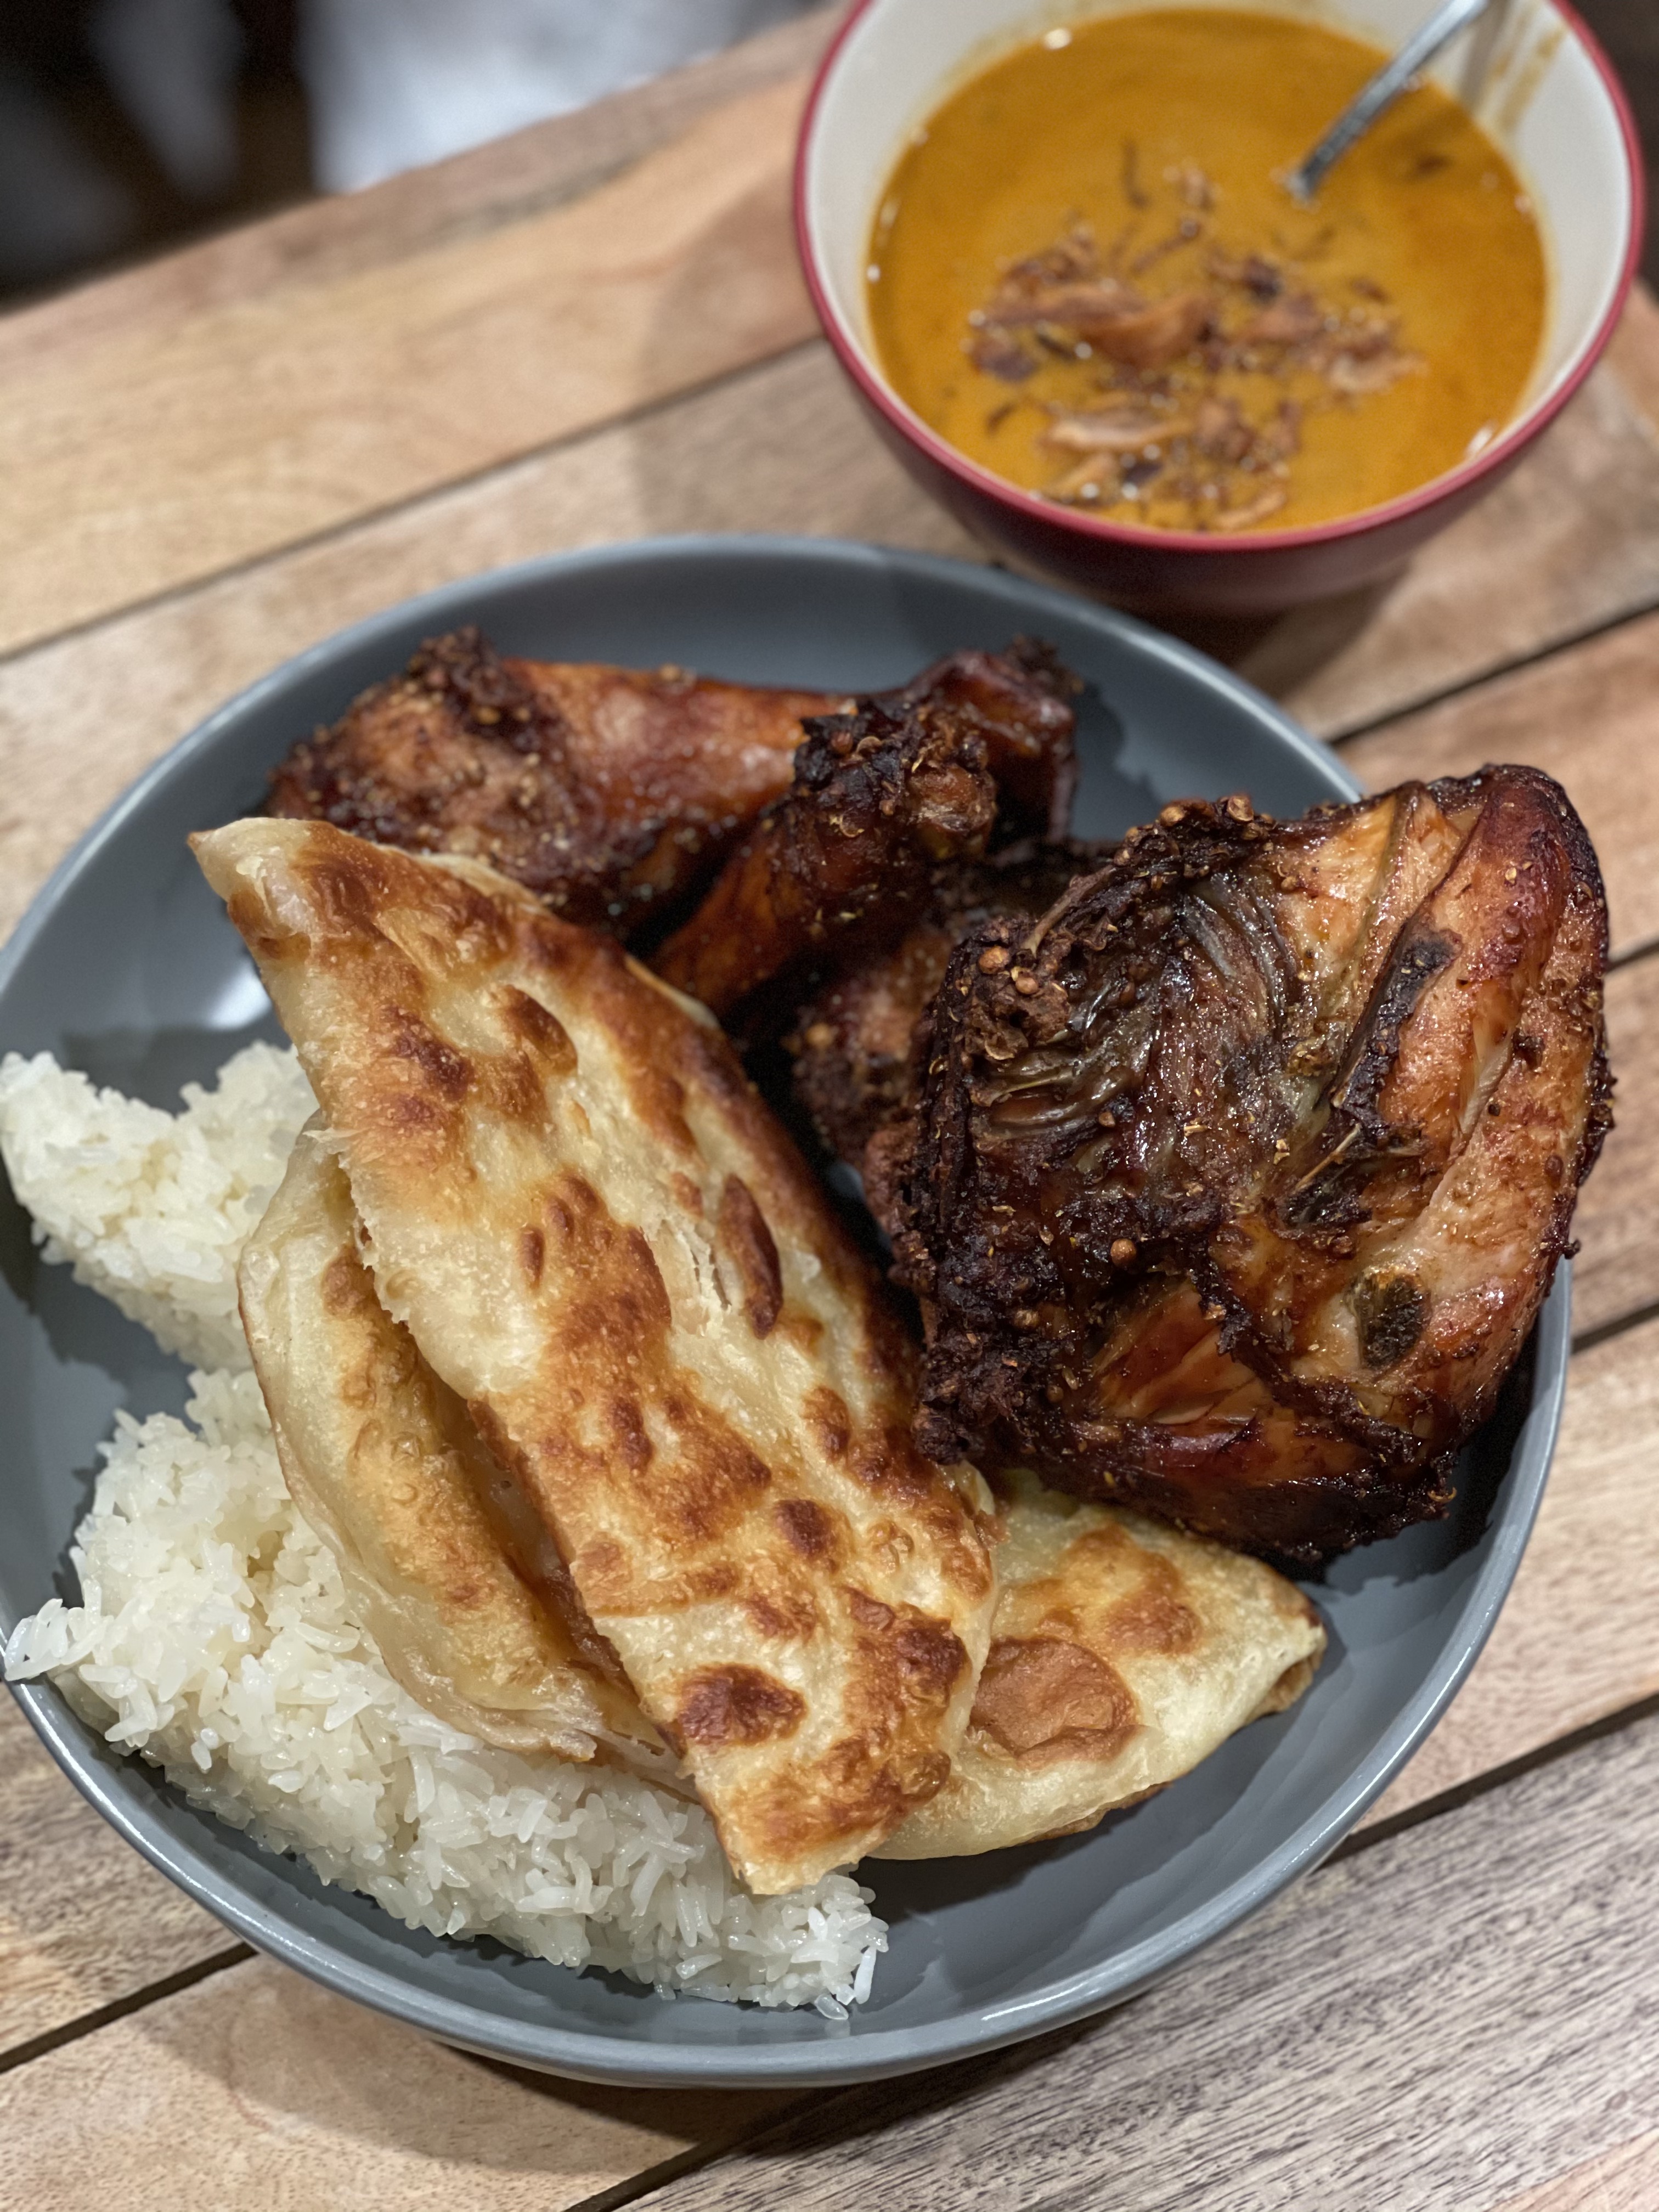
x: 1123, y: 1653
x: 469, y: 1600
x: 601, y: 1239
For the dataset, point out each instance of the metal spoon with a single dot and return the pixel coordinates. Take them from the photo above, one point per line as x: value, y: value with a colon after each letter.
x: 1384, y: 89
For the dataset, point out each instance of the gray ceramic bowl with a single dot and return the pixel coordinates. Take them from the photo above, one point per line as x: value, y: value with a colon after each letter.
x: 125, y: 967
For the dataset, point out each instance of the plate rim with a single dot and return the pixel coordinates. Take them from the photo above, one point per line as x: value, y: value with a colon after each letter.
x: 878, y: 2053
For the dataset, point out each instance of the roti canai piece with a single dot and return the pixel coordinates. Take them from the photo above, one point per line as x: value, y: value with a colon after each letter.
x: 599, y: 1238
x: 1123, y: 1653
x: 469, y: 1600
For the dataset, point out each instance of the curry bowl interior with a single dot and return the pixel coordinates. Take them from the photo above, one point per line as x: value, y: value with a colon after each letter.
x: 1529, y: 74
x: 127, y: 969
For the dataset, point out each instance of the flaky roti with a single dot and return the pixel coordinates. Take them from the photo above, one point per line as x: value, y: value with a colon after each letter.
x: 599, y: 1238
x: 471, y: 1608
x: 1123, y: 1653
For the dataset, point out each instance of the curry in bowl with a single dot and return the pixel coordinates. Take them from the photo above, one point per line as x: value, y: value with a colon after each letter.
x: 1086, y: 275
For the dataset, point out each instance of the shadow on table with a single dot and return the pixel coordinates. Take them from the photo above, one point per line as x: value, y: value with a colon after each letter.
x: 1280, y: 652
x: 851, y: 2119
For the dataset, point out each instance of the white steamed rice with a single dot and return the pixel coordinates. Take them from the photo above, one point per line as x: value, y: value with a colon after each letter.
x: 153, y: 1208
x: 215, y: 1638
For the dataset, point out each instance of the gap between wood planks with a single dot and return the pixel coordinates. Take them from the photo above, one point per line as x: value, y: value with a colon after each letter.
x: 88, y: 2023
x: 1339, y: 740
x: 1587, y: 1340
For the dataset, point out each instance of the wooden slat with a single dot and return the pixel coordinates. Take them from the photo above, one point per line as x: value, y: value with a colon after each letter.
x: 84, y: 1921
x: 257, y: 2090
x: 1445, y: 2022
x: 164, y: 453
x: 1588, y: 716
x: 1575, y: 1641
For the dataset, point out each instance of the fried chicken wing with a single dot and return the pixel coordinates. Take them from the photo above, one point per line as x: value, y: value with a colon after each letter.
x: 880, y: 798
x: 1238, y: 1177
x: 614, y: 792
x: 978, y: 748
x: 606, y: 791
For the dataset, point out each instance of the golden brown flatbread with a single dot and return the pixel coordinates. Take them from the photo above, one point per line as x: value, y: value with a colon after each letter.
x: 472, y: 1607
x: 1123, y: 1653
x: 599, y: 1237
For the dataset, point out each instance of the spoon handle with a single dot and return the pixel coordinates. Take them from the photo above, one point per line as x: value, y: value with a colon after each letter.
x: 1384, y: 89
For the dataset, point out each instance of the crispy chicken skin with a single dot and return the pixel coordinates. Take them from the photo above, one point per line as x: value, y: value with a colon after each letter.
x: 606, y: 791
x: 1236, y: 1179
x: 613, y: 792
x: 976, y: 750
x: 856, y: 1043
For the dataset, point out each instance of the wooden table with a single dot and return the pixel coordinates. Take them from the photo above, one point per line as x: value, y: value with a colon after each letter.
x: 595, y: 331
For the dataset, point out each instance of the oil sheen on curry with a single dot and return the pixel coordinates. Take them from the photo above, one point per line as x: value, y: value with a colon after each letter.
x: 1085, y: 276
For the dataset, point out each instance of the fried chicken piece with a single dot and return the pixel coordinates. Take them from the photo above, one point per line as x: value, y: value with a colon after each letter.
x: 857, y: 1043
x: 615, y: 793
x: 1020, y: 703
x: 1237, y: 1179
x: 979, y: 746
x: 881, y: 797
x: 606, y: 791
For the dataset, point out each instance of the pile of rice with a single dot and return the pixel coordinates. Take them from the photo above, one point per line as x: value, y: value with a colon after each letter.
x: 150, y: 1208
x: 215, y: 1638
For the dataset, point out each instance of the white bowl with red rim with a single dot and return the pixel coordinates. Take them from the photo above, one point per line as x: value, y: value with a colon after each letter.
x: 1546, y: 94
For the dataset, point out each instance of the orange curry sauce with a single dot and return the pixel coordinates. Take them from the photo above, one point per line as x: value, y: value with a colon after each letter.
x: 1085, y: 276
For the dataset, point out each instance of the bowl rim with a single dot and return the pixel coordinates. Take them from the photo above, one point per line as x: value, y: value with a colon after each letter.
x: 583, y: 2054
x: 1450, y: 484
